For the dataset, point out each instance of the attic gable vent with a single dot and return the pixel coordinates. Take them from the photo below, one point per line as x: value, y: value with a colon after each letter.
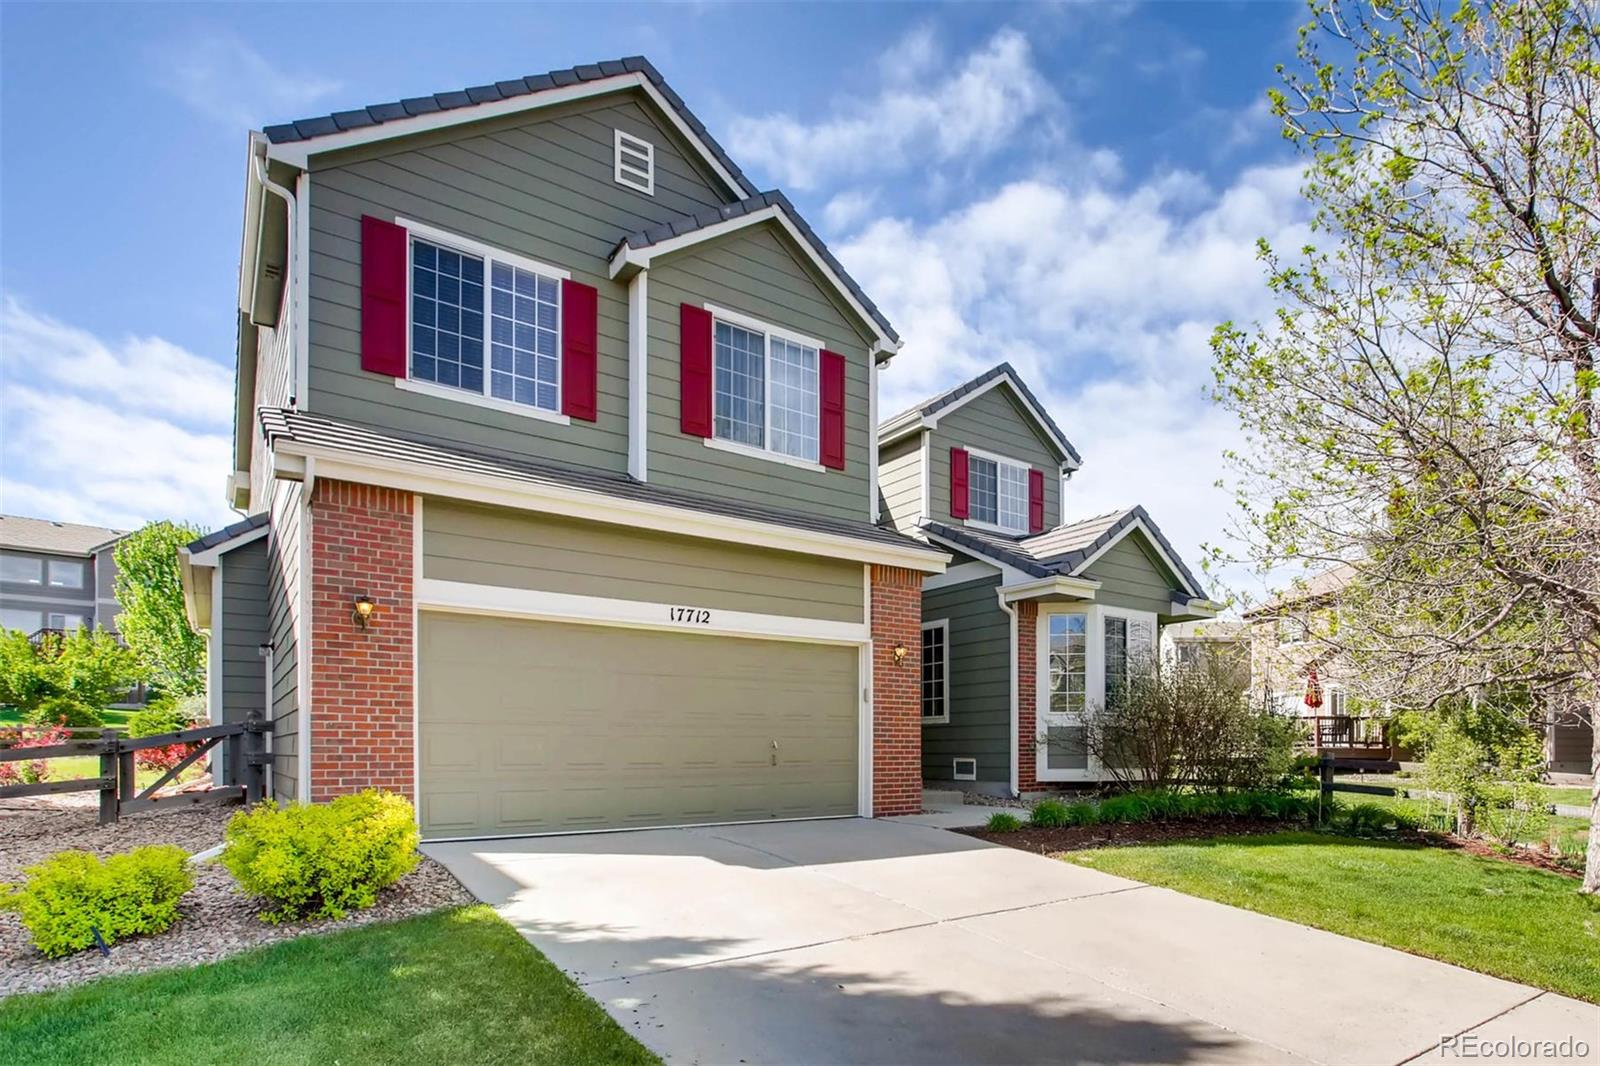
x: 636, y: 163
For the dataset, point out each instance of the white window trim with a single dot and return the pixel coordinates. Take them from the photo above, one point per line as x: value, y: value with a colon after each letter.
x: 631, y: 176
x: 768, y: 330
x: 1094, y: 675
x: 955, y: 772
x: 489, y: 255
x: 997, y: 459
x: 943, y: 625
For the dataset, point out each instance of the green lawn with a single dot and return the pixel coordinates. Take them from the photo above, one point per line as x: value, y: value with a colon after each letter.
x: 1577, y: 797
x: 114, y: 718
x: 1495, y: 917
x: 461, y: 986
x: 74, y: 766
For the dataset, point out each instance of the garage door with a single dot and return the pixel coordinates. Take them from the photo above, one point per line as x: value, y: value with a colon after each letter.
x: 537, y: 727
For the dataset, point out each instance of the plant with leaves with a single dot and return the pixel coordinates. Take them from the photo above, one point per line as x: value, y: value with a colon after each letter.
x: 153, y: 621
x: 70, y: 675
x: 1423, y: 405
x: 29, y: 736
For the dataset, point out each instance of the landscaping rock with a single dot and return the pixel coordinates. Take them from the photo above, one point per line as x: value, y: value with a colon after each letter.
x: 218, y: 920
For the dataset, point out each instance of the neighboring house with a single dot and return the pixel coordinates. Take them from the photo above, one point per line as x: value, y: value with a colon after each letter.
x: 557, y: 438
x: 56, y: 575
x: 1194, y: 643
x: 1035, y: 618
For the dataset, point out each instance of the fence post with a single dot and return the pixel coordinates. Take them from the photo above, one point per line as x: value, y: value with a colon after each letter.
x: 1325, y: 774
x: 108, y: 769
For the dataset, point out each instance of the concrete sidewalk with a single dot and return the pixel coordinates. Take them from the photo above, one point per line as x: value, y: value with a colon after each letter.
x: 890, y: 942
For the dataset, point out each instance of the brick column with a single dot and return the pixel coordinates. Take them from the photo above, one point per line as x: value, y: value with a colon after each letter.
x: 896, y: 691
x: 361, y: 679
x: 1027, y: 694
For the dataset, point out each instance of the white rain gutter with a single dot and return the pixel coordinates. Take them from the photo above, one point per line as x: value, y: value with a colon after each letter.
x: 287, y: 196
x: 1011, y: 684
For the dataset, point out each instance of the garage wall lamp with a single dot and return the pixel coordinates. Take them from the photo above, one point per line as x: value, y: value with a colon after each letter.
x: 363, y: 609
x: 900, y: 653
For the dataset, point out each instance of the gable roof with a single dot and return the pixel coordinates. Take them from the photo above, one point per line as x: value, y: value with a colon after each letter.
x: 414, y: 114
x: 1307, y: 591
x: 1068, y: 550
x: 926, y: 414
x: 60, y: 538
x: 715, y: 221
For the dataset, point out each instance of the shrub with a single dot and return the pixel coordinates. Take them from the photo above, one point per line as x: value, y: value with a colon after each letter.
x: 29, y: 736
x: 1048, y: 814
x: 1082, y: 813
x: 71, y: 896
x: 69, y: 711
x: 161, y: 716
x: 322, y: 860
x: 1001, y: 822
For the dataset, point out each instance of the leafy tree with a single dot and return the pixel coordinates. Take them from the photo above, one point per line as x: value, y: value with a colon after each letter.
x: 85, y: 669
x: 153, y: 621
x: 1423, y: 404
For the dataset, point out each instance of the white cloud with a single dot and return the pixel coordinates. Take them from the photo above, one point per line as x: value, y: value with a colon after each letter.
x: 971, y: 113
x: 222, y: 77
x: 847, y: 209
x: 1104, y: 299
x: 109, y: 433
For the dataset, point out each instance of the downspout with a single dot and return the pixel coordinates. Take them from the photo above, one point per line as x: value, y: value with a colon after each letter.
x: 1011, y: 683
x: 284, y: 194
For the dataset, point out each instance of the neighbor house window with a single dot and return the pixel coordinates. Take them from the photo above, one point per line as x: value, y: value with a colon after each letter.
x: 27, y: 621
x: 65, y: 622
x: 635, y: 164
x: 499, y: 340
x: 997, y: 492
x: 21, y: 571
x: 1069, y: 663
x: 66, y: 574
x: 936, y: 671
x: 765, y: 389
x: 1293, y: 628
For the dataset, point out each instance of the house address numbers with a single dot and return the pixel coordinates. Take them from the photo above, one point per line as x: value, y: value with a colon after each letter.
x: 697, y: 616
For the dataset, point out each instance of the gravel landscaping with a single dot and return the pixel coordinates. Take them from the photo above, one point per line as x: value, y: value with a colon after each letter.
x: 218, y: 920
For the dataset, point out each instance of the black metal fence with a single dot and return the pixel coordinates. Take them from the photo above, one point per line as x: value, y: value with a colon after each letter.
x: 244, y: 750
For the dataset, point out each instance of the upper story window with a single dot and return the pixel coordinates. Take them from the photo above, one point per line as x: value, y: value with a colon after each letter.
x: 997, y: 492
x: 485, y: 322
x: 19, y: 570
x: 66, y: 573
x: 1294, y: 627
x: 765, y: 388
x: 635, y: 163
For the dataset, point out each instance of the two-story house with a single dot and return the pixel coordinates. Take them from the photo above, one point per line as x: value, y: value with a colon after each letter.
x: 557, y: 437
x: 56, y: 575
x: 1037, y: 619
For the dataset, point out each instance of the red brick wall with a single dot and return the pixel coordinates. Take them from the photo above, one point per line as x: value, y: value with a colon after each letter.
x: 361, y: 679
x: 896, y: 691
x: 1027, y: 695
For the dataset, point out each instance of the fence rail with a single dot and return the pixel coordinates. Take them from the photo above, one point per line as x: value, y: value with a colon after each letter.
x: 244, y: 749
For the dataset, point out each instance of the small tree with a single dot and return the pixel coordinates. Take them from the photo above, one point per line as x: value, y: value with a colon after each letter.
x: 153, y: 621
x: 86, y: 668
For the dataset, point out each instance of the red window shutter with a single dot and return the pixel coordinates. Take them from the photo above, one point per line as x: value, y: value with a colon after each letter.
x: 958, y: 483
x: 580, y: 325
x: 694, y: 370
x: 383, y: 297
x: 831, y: 445
x: 1035, y: 501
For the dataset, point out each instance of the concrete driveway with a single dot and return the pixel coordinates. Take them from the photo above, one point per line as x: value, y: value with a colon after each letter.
x: 891, y: 942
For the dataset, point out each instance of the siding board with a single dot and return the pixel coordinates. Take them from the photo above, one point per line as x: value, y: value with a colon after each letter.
x: 980, y: 690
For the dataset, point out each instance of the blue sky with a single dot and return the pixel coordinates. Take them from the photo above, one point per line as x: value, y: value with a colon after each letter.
x: 1075, y: 188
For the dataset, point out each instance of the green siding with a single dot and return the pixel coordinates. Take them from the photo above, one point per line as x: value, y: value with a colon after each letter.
x: 283, y: 605
x: 900, y: 483
x: 994, y: 422
x: 494, y: 546
x: 980, y: 691
x: 1131, y: 576
x: 538, y: 186
x: 756, y: 272
x: 245, y: 612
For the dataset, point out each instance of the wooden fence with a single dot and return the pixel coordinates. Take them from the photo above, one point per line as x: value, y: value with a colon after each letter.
x: 244, y: 750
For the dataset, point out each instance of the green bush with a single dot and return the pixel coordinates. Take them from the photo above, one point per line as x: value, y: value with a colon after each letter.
x: 1048, y: 814
x: 161, y: 716
x: 322, y: 860
x: 70, y: 896
x: 66, y: 710
x: 1082, y: 813
x: 1001, y: 822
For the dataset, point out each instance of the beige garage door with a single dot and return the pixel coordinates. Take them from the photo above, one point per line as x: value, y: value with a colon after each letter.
x: 537, y: 727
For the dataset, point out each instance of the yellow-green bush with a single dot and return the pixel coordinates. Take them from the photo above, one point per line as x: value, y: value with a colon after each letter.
x: 72, y: 895
x: 322, y: 860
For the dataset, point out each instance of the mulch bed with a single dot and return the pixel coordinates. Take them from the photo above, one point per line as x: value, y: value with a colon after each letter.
x: 1081, y: 837
x: 218, y: 920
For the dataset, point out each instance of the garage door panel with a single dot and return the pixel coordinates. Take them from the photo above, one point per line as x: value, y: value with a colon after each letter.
x: 530, y: 727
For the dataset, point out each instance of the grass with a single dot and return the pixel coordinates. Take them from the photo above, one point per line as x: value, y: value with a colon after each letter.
x: 69, y: 767
x: 1494, y: 917
x: 1577, y: 797
x: 461, y: 986
x: 114, y: 717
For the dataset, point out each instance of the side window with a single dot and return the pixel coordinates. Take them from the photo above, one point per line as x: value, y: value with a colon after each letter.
x: 19, y: 570
x: 66, y: 573
x: 936, y: 671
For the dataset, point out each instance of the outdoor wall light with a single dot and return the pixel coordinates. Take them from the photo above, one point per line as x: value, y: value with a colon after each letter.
x: 363, y: 609
x: 900, y: 653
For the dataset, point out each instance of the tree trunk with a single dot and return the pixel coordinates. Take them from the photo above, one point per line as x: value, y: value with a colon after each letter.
x: 1591, y: 861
